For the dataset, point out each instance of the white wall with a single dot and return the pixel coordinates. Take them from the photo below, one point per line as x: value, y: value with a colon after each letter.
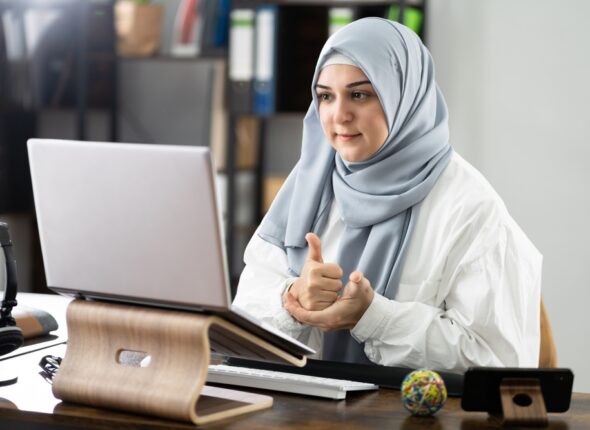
x: 516, y: 76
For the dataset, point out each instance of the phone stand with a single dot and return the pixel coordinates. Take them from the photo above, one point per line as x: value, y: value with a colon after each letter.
x: 522, y: 403
x: 154, y: 361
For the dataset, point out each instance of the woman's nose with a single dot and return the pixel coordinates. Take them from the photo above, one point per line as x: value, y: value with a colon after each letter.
x: 342, y: 111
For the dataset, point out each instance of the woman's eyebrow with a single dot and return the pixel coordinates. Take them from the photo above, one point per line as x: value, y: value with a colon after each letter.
x: 351, y: 85
x: 356, y: 84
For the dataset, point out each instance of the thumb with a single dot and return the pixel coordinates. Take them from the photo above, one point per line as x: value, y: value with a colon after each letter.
x: 356, y: 277
x: 315, y: 247
x: 351, y: 288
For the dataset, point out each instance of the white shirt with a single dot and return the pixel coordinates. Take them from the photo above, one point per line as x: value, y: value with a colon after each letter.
x: 469, y: 293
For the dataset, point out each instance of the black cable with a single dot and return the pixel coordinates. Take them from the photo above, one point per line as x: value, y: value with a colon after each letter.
x: 50, y: 365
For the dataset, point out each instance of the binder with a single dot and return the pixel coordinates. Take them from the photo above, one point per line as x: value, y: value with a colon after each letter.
x: 266, y: 60
x: 215, y: 16
x: 219, y: 115
x: 208, y: 12
x: 338, y: 17
x: 187, y: 29
x: 241, y: 59
x: 412, y: 17
x: 222, y: 23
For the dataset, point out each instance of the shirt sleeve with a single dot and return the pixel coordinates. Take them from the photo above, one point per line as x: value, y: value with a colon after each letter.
x: 262, y: 284
x: 485, y: 311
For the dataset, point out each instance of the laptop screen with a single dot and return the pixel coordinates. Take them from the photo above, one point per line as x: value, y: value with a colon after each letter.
x: 133, y: 222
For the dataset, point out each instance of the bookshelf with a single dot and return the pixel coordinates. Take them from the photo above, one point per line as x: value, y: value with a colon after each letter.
x: 97, y: 78
x: 301, y: 28
x: 56, y: 54
x: 57, y: 59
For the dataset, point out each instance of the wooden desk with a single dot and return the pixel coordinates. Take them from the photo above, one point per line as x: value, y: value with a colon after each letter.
x: 30, y: 404
x: 56, y: 306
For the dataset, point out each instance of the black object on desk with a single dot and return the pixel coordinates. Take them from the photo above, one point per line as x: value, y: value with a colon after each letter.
x: 482, y: 387
x: 384, y: 376
x: 518, y: 396
x: 11, y: 337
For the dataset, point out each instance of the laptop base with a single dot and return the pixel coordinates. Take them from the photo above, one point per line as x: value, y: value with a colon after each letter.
x: 152, y: 361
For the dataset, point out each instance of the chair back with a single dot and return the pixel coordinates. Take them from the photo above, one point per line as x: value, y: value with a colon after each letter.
x: 548, y: 353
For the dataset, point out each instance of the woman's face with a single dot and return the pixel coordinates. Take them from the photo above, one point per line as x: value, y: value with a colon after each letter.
x: 350, y: 112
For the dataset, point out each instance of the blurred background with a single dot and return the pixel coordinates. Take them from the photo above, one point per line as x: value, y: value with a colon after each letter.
x: 235, y: 76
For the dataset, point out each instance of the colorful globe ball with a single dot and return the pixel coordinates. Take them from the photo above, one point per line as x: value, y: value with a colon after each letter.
x: 423, y: 392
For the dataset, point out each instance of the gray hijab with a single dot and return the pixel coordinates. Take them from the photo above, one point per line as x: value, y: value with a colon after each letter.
x: 378, y: 198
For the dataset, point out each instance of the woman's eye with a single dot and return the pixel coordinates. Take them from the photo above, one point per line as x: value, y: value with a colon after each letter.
x: 324, y: 97
x: 360, y: 96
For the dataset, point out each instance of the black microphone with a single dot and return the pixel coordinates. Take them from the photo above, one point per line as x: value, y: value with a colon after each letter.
x: 11, y: 336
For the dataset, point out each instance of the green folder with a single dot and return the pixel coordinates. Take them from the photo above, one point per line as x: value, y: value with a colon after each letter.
x: 413, y: 17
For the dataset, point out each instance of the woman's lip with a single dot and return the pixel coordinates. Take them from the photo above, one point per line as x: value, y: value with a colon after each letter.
x: 346, y: 137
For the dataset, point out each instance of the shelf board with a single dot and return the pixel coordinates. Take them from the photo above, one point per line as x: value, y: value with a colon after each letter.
x: 169, y: 57
x: 327, y: 3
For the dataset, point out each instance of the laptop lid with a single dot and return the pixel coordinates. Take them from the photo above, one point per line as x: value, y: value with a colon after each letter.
x: 134, y: 222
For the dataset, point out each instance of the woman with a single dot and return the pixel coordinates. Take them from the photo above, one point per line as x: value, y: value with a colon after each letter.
x: 384, y: 246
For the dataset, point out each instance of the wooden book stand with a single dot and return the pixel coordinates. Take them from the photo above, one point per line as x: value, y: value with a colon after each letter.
x: 155, y: 361
x: 522, y: 403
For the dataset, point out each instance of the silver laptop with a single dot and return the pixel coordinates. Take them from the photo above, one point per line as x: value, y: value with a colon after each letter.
x: 136, y: 223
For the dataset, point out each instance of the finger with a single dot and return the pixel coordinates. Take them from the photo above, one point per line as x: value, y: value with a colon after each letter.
x: 356, y: 277
x: 331, y: 270
x: 295, y: 309
x: 351, y: 291
x: 290, y: 303
x: 301, y: 314
x: 332, y: 285
x: 319, y: 306
x: 319, y: 283
x: 358, y: 290
x: 318, y: 301
x: 315, y: 247
x: 354, y: 286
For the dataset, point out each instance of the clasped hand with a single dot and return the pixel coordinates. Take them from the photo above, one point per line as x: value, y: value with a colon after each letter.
x: 313, y: 299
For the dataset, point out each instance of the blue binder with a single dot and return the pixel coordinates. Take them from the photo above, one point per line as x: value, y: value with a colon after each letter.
x: 265, y: 70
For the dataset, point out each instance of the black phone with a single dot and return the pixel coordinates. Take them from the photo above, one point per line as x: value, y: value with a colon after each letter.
x: 481, y: 387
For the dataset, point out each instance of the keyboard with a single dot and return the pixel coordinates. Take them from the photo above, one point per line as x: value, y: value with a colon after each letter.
x: 286, y: 382
x: 384, y: 376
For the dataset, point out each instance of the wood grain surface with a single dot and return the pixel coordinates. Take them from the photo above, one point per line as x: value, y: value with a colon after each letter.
x: 30, y: 404
x: 152, y: 361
